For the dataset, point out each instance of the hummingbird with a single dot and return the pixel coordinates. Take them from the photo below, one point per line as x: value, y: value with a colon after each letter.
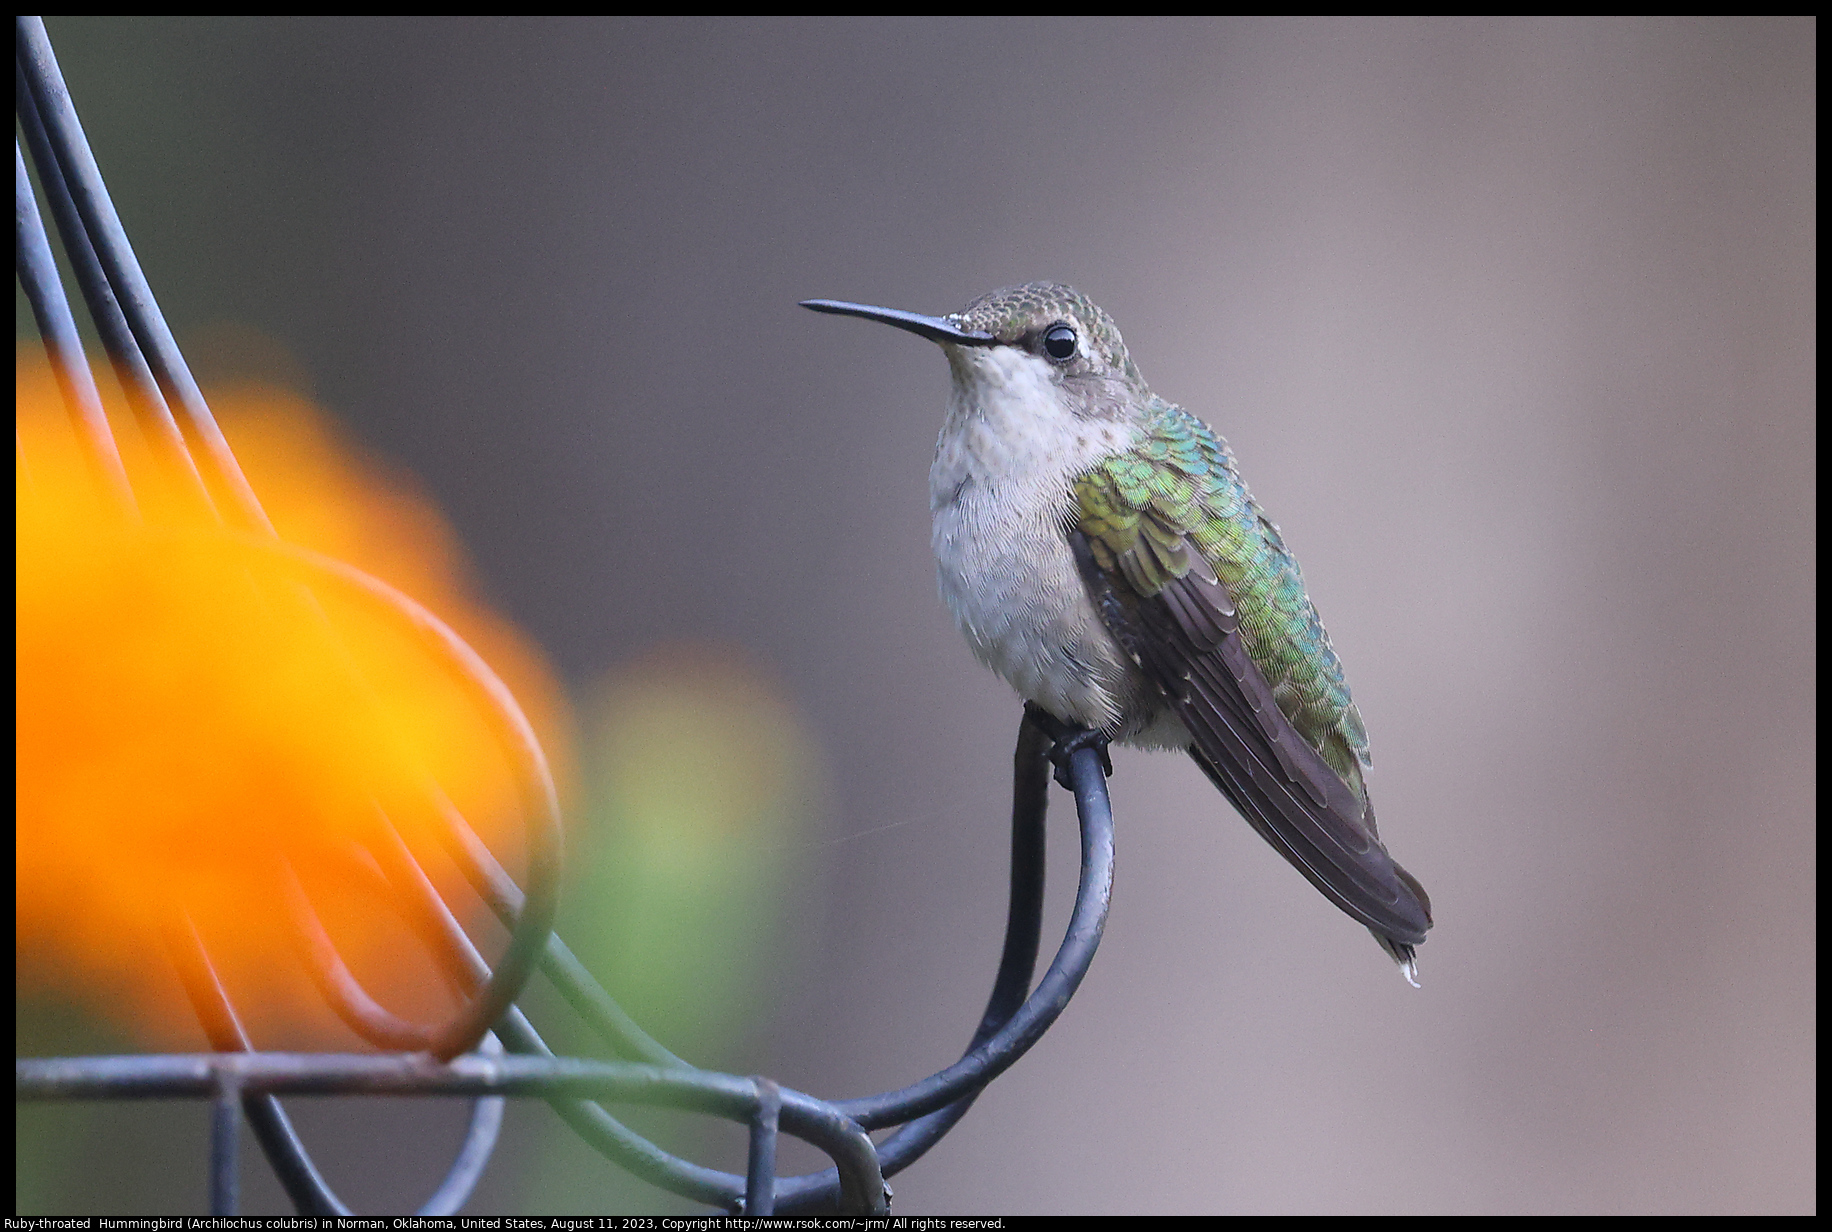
x: 1098, y: 549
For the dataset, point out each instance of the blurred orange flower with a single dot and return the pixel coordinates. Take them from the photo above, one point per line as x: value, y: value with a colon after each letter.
x: 198, y: 712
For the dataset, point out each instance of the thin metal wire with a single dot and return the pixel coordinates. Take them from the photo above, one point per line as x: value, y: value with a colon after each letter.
x: 1012, y: 1030
x: 225, y: 1144
x: 1023, y: 932
x: 130, y: 367
x: 307, y: 1189
x: 760, y: 1174
x: 43, y: 93
x: 346, y: 996
x: 273, y: 1129
x: 103, y: 261
x: 241, y: 1082
x: 1014, y: 1037
x: 64, y: 346
x: 819, y: 1190
x: 70, y: 153
x: 282, y: 1073
x: 568, y: 975
x: 515, y: 737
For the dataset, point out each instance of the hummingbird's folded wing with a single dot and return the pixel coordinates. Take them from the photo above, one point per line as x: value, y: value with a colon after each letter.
x: 1175, y: 619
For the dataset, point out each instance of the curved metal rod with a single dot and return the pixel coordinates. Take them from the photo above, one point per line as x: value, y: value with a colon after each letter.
x: 273, y: 1129
x: 37, y: 272
x: 309, y: 1192
x: 932, y: 1098
x: 283, y: 1073
x: 39, y: 70
x: 474, y: 1152
x: 623, y: 1146
x: 48, y: 98
x: 57, y: 327
x: 122, y: 289
x: 603, y: 1132
x: 569, y: 976
x: 1024, y: 927
x: 380, y: 1026
x: 984, y: 1063
x: 599, y: 1130
x: 942, y: 1099
x: 131, y: 372
x: 591, y: 1122
x: 641, y: 1157
x: 1000, y: 1040
x: 341, y: 990
x: 463, y: 967
x: 462, y: 963
x: 540, y: 803
x: 794, y: 1194
x: 760, y: 1172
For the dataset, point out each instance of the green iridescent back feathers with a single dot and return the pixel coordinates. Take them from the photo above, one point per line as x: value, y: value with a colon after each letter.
x: 1144, y: 510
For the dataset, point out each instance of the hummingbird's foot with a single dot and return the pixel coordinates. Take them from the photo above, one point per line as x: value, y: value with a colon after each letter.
x: 1083, y: 738
x: 1068, y: 739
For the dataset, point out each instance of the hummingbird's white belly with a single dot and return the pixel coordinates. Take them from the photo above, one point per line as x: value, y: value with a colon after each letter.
x: 1001, y: 497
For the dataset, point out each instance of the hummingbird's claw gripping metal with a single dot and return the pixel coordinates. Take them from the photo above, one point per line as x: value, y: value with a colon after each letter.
x: 1082, y: 738
x: 1068, y: 739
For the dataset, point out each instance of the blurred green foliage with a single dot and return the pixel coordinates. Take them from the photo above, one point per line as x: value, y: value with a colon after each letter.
x: 702, y: 785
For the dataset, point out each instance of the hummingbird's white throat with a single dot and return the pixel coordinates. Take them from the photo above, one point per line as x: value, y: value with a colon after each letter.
x: 1008, y: 420
x: 1001, y: 494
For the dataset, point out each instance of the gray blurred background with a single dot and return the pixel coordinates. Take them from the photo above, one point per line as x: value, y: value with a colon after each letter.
x: 1511, y: 326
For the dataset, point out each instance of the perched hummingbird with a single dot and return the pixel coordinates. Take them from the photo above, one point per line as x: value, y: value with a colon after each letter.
x: 1099, y: 551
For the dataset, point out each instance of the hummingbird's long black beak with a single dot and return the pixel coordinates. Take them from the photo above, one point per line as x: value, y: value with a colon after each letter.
x: 935, y: 329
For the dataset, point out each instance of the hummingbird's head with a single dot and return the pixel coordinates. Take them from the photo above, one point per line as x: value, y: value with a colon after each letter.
x: 1042, y: 339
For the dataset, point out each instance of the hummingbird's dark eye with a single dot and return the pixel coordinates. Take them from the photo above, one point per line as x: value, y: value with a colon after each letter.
x: 1059, y: 343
